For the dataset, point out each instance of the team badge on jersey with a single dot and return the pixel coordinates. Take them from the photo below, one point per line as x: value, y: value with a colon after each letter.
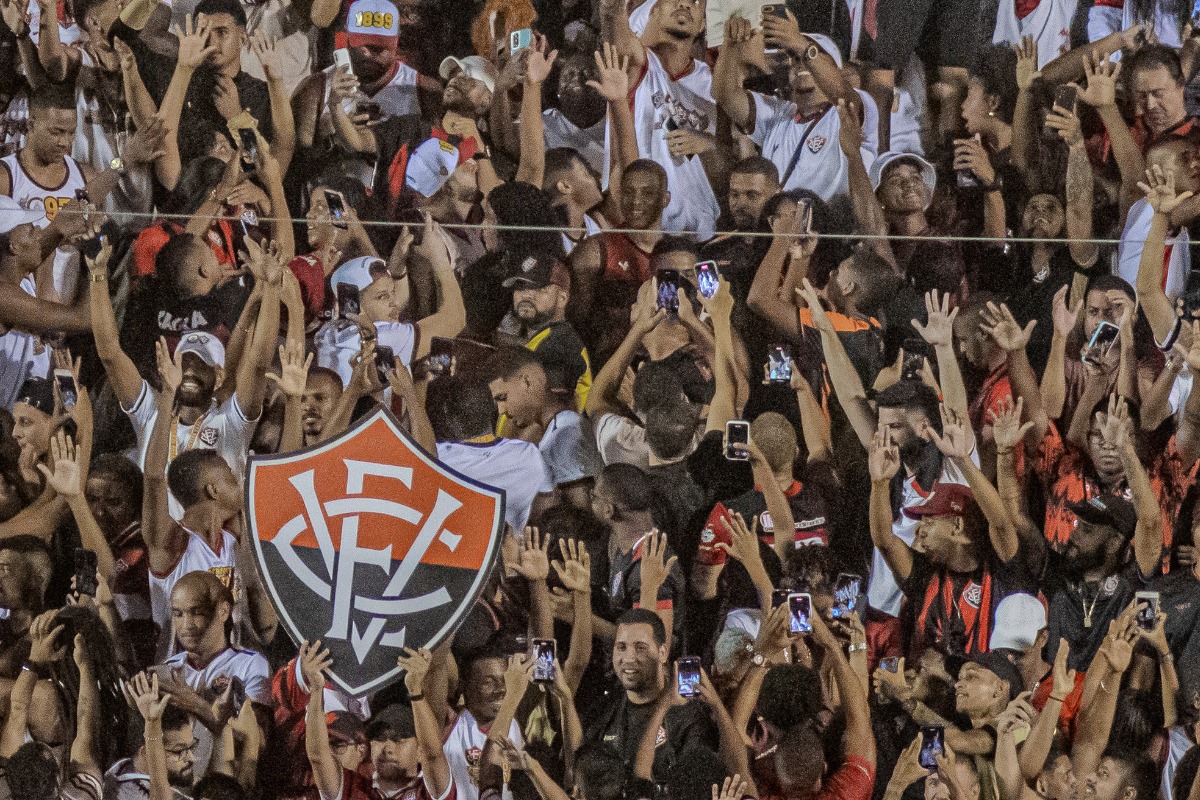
x: 816, y: 143
x: 369, y: 544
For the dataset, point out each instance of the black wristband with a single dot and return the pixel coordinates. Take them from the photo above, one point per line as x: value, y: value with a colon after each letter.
x: 413, y: 698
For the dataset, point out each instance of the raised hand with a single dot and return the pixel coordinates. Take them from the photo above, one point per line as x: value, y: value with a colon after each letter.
x: 820, y: 319
x: 538, y: 62
x: 293, y: 369
x: 654, y: 568
x: 144, y: 691
x: 1159, y: 187
x: 170, y: 370
x: 1117, y: 649
x: 1062, y: 679
x: 956, y: 439
x: 1007, y: 429
x: 1066, y: 124
x: 147, y: 143
x: 734, y: 788
x: 682, y: 143
x: 1117, y: 429
x: 1065, y: 318
x: 264, y: 50
x: 939, y: 327
x: 1019, y: 714
x: 1002, y: 326
x: 1027, y: 62
x: 743, y: 542
x: 883, y: 461
x: 65, y: 455
x: 415, y: 664
x: 15, y: 16
x: 314, y: 661
x: 575, y: 569
x: 971, y: 154
x: 343, y: 85
x: 784, y: 34
x: 892, y: 685
x: 534, y: 563
x: 850, y: 137
x: 44, y: 633
x: 194, y: 48
x: 1101, y: 75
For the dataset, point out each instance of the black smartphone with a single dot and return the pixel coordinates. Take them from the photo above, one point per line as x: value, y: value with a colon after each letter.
x: 1190, y: 301
x: 915, y: 353
x: 385, y: 362
x: 1066, y: 97
x: 249, y: 148
x: 779, y: 364
x: 707, y: 278
x: 668, y: 290
x: 441, y: 356
x: 689, y: 676
x: 66, y: 387
x: 349, y: 300
x: 775, y: 10
x: 337, y: 208
x: 543, y: 660
x: 1101, y: 342
x: 804, y: 209
x: 86, y: 579
x: 845, y: 595
x: 933, y: 744
x: 737, y: 432
x: 238, y: 694
x: 890, y: 664
x: 1147, y: 610
x: 800, y: 612
x: 779, y: 597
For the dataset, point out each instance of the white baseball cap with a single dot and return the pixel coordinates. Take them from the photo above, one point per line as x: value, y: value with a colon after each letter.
x: 372, y: 22
x: 431, y: 165
x: 1019, y: 619
x: 884, y: 160
x: 359, y: 272
x: 828, y: 46
x: 205, y: 345
x: 476, y: 67
x: 13, y: 214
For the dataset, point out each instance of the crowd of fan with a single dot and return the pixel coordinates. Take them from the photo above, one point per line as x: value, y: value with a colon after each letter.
x: 836, y: 360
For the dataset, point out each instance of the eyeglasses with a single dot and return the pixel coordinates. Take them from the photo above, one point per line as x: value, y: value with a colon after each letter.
x: 180, y: 752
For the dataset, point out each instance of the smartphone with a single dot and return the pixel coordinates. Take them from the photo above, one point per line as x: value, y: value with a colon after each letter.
x: 66, y: 387
x: 385, y: 362
x: 1190, y: 301
x: 238, y: 694
x: 800, y: 612
x: 915, y: 353
x: 804, y: 207
x: 543, y: 660
x: 1147, y: 610
x: 441, y: 356
x: 846, y: 590
x: 689, y: 676
x: 373, y: 110
x: 341, y: 58
x: 337, y: 208
x: 737, y: 432
x: 668, y: 290
x: 891, y: 664
x: 249, y: 148
x: 1099, y: 345
x: 778, y: 10
x: 349, y: 300
x: 85, y: 571
x: 1066, y: 97
x: 779, y: 364
x: 81, y: 197
x: 707, y: 278
x: 933, y: 744
x: 520, y: 40
x: 779, y: 597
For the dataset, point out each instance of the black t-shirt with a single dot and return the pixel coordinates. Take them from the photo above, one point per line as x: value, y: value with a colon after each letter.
x: 1010, y: 275
x: 1073, y: 605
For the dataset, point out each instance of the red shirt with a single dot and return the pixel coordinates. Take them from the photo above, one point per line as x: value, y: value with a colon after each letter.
x: 356, y: 786
x: 854, y: 780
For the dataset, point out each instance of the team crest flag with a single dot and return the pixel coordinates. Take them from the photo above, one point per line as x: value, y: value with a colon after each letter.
x: 370, y: 544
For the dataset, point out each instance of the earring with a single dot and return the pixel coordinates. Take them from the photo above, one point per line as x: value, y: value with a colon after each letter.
x: 991, y: 113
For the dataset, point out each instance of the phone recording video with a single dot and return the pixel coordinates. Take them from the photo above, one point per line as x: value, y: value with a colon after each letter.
x: 689, y: 676
x: 845, y: 595
x: 520, y: 40
x: 779, y: 364
x: 85, y: 571
x: 933, y: 744
x: 891, y: 664
x: 66, y: 387
x: 1101, y: 342
x: 707, y: 278
x: 248, y: 141
x: 1147, y: 610
x: 441, y: 357
x: 337, y: 208
x: 385, y: 362
x: 800, y: 613
x: 1066, y: 97
x: 543, y: 660
x: 737, y: 432
x: 916, y: 351
x: 668, y: 290
x: 349, y: 300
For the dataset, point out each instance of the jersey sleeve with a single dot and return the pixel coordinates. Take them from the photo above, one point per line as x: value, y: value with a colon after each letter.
x: 143, y: 411
x: 768, y: 112
x: 564, y: 455
x: 257, y: 680
x: 400, y: 336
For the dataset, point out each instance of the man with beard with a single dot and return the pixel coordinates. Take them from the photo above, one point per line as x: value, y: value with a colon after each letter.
x: 610, y: 267
x: 322, y: 391
x: 129, y: 778
x: 578, y: 121
x: 678, y: 133
x: 541, y: 286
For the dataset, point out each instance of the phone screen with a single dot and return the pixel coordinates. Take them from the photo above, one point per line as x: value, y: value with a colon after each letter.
x: 933, y: 744
x: 249, y: 144
x: 891, y: 664
x: 1147, y: 610
x: 441, y: 356
x: 845, y: 595
x: 1098, y: 347
x: 736, y: 432
x: 689, y: 676
x: 341, y: 58
x: 385, y: 362
x: 337, y: 208
x: 668, y: 290
x: 66, y: 386
x: 520, y: 40
x: 85, y: 571
x: 543, y: 660
x: 1066, y: 98
x: 349, y: 300
x: 800, y: 613
x: 779, y: 364
x: 707, y: 278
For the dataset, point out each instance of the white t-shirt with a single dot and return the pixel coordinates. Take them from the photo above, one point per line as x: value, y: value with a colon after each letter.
x: 1104, y: 20
x: 620, y: 440
x: 337, y: 342
x: 569, y: 449
x: 1049, y: 23
x: 1133, y: 238
x: 820, y: 165
x: 294, y: 37
x: 22, y: 356
x: 197, y: 557
x: 464, y: 746
x: 558, y: 131
x: 910, y: 117
x: 250, y: 667
x: 883, y: 593
x: 514, y: 465
x: 223, y: 428
x: 30, y: 194
x: 688, y: 102
x: 590, y: 225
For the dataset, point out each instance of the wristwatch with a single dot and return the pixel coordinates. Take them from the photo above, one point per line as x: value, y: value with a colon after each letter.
x: 758, y: 660
x: 117, y: 165
x: 811, y: 52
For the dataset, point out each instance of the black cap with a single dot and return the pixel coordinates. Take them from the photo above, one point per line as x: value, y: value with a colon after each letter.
x: 1107, y: 509
x: 394, y: 722
x: 537, y: 270
x: 39, y: 393
x: 999, y: 665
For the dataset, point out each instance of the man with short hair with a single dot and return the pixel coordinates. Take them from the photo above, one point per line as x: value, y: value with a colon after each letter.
x: 129, y: 778
x: 1156, y: 82
x: 322, y: 390
x: 574, y: 186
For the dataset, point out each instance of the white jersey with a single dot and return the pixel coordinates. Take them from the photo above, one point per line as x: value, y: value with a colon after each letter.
x: 910, y: 117
x: 248, y: 666
x: 1113, y: 16
x: 337, y: 342
x: 293, y: 37
x: 807, y: 153
x: 1129, y: 253
x: 96, y: 130
x: 464, y: 746
x: 223, y: 428
x: 22, y: 356
x: 1049, y: 23
x: 31, y: 194
x: 687, y: 102
x: 197, y: 557
x: 67, y: 34
x: 397, y: 98
x: 514, y: 465
x: 558, y: 131
x: 639, y: 18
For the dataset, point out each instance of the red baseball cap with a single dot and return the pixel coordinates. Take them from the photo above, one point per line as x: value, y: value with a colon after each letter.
x: 945, y: 500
